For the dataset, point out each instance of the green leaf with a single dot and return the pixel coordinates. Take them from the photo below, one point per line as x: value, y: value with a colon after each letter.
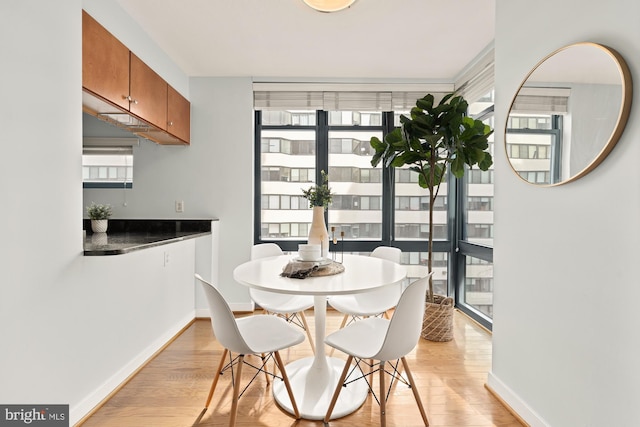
x: 446, y: 98
x: 376, y: 144
x: 394, y: 136
x: 486, y: 162
x: 397, y: 162
x: 457, y: 165
x: 422, y: 182
x: 426, y: 102
x: 404, y: 119
x: 376, y: 159
x: 411, y: 157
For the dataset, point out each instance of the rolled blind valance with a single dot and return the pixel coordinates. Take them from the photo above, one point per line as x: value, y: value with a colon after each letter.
x: 107, y: 151
x: 109, y: 142
x: 541, y: 100
x: 359, y: 101
x: 265, y: 100
x: 335, y: 97
x: 479, y: 79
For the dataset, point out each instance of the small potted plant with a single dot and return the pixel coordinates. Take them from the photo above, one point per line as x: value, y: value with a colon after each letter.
x: 99, y: 216
x: 319, y: 197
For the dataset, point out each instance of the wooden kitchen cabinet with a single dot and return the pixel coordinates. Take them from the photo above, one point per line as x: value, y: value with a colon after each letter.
x: 116, y: 81
x: 105, y: 63
x: 148, y: 92
x: 178, y: 115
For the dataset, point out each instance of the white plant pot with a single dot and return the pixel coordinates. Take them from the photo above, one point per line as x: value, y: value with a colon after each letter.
x: 99, y: 225
x: 99, y: 239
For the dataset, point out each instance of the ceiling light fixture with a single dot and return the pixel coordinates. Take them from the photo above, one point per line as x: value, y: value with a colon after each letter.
x: 329, y: 5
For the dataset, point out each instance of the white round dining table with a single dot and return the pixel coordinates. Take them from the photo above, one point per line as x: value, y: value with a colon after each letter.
x: 314, y: 379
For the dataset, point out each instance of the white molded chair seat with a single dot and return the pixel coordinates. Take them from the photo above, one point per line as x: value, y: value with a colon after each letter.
x: 290, y: 307
x: 374, y: 302
x: 384, y: 340
x: 362, y: 305
x: 280, y: 303
x: 259, y: 335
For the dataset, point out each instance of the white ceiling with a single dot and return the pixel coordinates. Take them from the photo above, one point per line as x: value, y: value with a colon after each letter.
x: 419, y: 40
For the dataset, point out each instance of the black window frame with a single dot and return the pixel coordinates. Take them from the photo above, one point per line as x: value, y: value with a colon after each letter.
x: 454, y: 245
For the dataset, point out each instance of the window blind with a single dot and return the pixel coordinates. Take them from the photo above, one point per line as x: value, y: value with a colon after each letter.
x: 478, y: 79
x: 293, y: 100
x: 107, y: 162
x: 346, y: 97
x: 541, y: 100
x: 107, y: 151
x: 109, y: 142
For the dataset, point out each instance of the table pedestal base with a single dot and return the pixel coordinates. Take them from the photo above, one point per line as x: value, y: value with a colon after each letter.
x: 314, y: 386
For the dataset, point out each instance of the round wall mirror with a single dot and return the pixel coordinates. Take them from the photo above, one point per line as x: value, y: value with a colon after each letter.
x: 568, y: 114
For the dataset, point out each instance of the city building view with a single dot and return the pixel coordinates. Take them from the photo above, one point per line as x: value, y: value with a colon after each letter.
x: 292, y: 146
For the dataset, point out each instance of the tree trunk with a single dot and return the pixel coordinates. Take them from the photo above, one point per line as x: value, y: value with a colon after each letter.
x: 431, y: 203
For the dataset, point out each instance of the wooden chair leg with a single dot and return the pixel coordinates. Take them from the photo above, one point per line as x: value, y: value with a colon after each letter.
x: 306, y: 328
x: 215, y: 378
x: 336, y: 393
x: 285, y: 378
x: 236, y: 392
x: 383, y: 397
x: 415, y: 392
x: 266, y: 374
x: 344, y: 322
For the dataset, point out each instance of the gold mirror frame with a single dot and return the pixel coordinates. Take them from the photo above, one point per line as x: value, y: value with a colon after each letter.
x: 618, y: 128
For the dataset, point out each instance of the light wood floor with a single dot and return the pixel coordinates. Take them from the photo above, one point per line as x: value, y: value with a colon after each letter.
x: 171, y: 390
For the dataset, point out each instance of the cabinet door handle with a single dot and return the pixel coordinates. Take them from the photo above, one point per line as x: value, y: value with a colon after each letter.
x: 128, y: 98
x: 170, y: 123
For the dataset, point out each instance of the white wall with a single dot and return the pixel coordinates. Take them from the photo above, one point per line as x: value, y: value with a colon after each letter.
x: 565, y: 331
x: 72, y: 327
x: 220, y: 172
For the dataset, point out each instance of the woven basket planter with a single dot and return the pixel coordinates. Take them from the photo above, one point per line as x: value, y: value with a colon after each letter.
x: 437, y: 323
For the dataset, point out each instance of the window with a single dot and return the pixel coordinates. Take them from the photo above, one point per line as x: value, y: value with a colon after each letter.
x: 416, y: 263
x: 107, y: 167
x: 474, y: 272
x: 374, y: 206
x: 475, y: 203
x: 419, y: 203
x: 354, y: 202
x: 478, y: 285
x: 535, y: 146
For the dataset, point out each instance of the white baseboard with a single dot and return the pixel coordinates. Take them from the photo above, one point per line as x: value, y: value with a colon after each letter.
x: 202, y: 313
x: 515, y: 402
x: 77, y: 412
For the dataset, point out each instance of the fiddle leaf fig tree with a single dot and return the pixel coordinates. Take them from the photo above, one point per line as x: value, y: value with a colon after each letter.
x: 434, y: 138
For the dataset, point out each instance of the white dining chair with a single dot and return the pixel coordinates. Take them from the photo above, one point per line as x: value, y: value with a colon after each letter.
x: 289, y: 307
x: 372, y: 303
x: 260, y: 335
x: 383, y: 340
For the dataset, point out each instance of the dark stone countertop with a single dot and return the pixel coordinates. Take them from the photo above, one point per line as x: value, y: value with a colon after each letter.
x: 125, y: 236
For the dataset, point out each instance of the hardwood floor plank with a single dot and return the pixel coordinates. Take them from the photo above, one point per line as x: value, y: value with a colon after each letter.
x: 171, y: 390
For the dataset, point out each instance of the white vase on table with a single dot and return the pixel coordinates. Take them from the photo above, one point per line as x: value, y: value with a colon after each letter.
x: 318, y: 234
